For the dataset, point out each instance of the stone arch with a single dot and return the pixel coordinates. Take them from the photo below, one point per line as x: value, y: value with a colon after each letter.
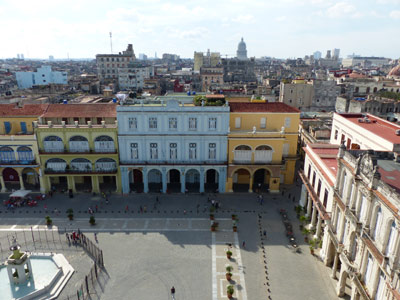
x: 264, y: 147
x: 261, y: 178
x: 30, y: 179
x: 52, y: 138
x: 242, y: 154
x: 81, y: 165
x: 78, y: 143
x: 376, y: 221
x: 105, y: 164
x: 243, y: 147
x: 53, y: 143
x: 25, y: 154
x: 104, y: 143
x: 241, y: 180
x: 11, y: 179
x: 56, y: 164
x: 155, y: 180
x: 211, y: 180
x: 136, y: 180
x: 173, y: 181
x: 103, y: 138
x: 192, y: 181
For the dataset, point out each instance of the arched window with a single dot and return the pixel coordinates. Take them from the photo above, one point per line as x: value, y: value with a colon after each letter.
x: 344, y: 184
x: 81, y: 164
x: 25, y: 154
x: 56, y: 164
x: 242, y: 154
x: 105, y: 164
x: 378, y: 221
x: 263, y: 154
x: 391, y: 239
x: 78, y: 143
x: 104, y: 143
x: 7, y: 154
x: 53, y: 143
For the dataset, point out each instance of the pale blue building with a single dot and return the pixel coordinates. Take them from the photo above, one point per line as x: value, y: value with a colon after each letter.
x: 43, y: 76
x: 173, y: 147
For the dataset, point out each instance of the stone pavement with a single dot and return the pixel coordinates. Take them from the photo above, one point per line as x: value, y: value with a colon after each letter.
x: 146, y: 253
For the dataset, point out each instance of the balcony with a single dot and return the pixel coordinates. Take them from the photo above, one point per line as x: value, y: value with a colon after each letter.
x: 69, y: 151
x: 18, y: 162
x: 262, y: 156
x: 82, y: 172
x: 242, y: 156
x: 172, y: 162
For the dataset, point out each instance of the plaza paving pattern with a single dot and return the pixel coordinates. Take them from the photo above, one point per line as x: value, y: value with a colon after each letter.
x: 171, y: 245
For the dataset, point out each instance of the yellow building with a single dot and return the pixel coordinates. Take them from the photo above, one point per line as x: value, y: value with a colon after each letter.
x: 78, y: 148
x: 19, y: 156
x: 262, y: 146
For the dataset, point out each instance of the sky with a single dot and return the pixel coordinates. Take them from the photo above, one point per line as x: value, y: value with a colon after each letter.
x: 276, y: 28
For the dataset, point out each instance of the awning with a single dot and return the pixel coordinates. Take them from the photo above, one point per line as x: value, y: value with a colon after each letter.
x: 20, y: 193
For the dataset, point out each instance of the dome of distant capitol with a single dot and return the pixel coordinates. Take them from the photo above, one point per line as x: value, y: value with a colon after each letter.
x: 241, y: 52
x: 395, y: 71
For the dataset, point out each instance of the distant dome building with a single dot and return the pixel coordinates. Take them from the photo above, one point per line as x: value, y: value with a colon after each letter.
x: 241, y: 52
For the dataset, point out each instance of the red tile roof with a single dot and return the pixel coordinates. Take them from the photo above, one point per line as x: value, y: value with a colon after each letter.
x: 275, y: 107
x: 377, y: 126
x: 27, y: 110
x: 81, y: 111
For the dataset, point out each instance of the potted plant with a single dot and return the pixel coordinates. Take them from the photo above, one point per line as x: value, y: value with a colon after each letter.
x: 49, y: 221
x: 228, y: 274
x: 212, y: 209
x: 229, y: 254
x: 214, y: 226
x: 92, y: 220
x: 70, y: 213
x: 234, y: 217
x: 229, y: 291
x: 312, y: 250
x: 234, y: 226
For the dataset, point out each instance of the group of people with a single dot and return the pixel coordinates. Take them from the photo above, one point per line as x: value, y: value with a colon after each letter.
x: 74, y: 237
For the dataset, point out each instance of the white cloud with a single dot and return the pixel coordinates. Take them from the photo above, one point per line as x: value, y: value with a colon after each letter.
x: 341, y: 9
x: 395, y: 14
x: 244, y: 19
x: 193, y: 34
x: 388, y: 1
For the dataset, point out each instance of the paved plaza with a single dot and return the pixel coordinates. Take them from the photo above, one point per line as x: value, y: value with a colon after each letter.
x: 148, y: 249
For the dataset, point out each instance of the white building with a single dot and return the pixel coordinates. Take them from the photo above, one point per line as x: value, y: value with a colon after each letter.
x: 173, y: 147
x: 132, y: 78
x: 43, y: 76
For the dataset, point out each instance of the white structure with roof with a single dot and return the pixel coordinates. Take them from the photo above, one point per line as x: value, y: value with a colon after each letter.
x: 43, y: 76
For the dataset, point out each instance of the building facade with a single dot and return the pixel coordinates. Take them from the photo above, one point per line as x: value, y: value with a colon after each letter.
x: 19, y: 156
x: 43, y: 76
x: 78, y: 148
x: 262, y: 145
x: 173, y: 147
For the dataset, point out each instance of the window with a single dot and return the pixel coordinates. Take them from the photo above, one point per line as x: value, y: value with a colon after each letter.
x: 153, y: 151
x: 362, y: 208
x: 152, y: 123
x: 319, y: 187
x: 134, y: 151
x: 391, y: 240
x: 309, y: 172
x: 192, y: 123
x: 237, y: 122
x: 326, y: 197
x: 23, y: 127
x: 368, y: 269
x: 338, y: 215
x: 212, y: 123
x: 263, y: 123
x: 132, y: 123
x: 378, y: 221
x: 173, y: 151
x: 336, y: 134
x: 287, y: 122
x: 173, y: 123
x: 342, y: 193
x: 212, y: 151
x: 285, y: 151
x: 381, y: 287
x: 192, y: 151
x: 313, y: 180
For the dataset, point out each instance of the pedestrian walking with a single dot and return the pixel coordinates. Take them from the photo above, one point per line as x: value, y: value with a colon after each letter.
x: 157, y: 201
x: 127, y: 208
x: 145, y: 208
x: 45, y: 208
x: 67, y: 236
x: 97, y: 208
x: 106, y: 200
x: 244, y: 244
x: 265, y: 233
x: 95, y: 237
x: 141, y: 209
x: 184, y: 211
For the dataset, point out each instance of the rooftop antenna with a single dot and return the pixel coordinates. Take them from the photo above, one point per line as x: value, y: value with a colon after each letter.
x: 111, y: 41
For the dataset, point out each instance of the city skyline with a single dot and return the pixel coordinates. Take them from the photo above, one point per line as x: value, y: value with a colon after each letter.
x: 281, y: 29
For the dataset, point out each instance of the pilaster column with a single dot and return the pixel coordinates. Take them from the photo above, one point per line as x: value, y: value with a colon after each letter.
x: 71, y: 183
x: 309, y: 204
x: 145, y: 181
x: 183, y: 181
x: 43, y: 187
x: 201, y: 180
x: 251, y: 184
x: 95, y: 184
x: 164, y: 180
x: 313, y: 217
x: 335, y: 264
x: 124, y: 181
x: 2, y: 183
x: 341, y: 285
x: 319, y: 226
x: 21, y: 181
